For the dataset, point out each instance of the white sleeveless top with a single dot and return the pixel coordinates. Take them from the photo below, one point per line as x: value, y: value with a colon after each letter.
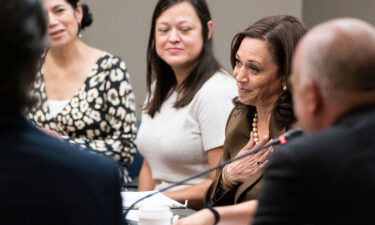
x: 56, y: 106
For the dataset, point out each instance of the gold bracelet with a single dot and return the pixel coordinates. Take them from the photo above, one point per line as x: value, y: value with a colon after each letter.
x: 229, y: 178
x: 227, y: 182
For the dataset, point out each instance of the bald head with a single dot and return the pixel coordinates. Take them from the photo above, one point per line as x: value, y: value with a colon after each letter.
x: 339, y: 55
x: 333, y: 72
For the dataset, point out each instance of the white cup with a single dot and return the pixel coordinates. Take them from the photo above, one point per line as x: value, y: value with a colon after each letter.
x: 154, y: 215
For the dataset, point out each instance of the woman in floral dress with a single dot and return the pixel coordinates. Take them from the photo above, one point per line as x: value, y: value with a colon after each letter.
x: 83, y: 94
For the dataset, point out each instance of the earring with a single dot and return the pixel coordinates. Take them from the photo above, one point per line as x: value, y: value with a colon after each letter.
x: 79, y: 30
x: 285, y: 88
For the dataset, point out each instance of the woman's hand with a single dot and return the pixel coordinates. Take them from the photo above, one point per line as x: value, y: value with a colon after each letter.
x: 238, y: 171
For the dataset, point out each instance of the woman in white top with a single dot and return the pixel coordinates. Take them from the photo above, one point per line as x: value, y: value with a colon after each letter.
x: 82, y: 93
x: 189, y: 100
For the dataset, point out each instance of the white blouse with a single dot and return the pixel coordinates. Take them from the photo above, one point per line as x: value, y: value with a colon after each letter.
x: 56, y: 106
x: 175, y: 141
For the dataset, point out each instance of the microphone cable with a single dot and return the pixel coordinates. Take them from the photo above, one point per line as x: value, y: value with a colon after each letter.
x: 282, y: 139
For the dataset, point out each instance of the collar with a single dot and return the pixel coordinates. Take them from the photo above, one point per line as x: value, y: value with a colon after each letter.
x: 353, y: 114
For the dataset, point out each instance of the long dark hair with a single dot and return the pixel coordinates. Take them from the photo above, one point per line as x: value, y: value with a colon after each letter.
x: 160, y: 73
x: 20, y: 46
x: 87, y: 15
x: 281, y: 34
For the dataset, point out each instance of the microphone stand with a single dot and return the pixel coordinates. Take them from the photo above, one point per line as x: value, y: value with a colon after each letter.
x: 276, y: 141
x: 273, y: 143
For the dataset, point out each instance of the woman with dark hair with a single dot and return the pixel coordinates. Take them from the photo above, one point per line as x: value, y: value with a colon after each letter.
x: 189, y: 100
x: 82, y: 93
x: 261, y: 57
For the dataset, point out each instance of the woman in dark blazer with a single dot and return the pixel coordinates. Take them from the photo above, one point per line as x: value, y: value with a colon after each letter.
x: 261, y: 59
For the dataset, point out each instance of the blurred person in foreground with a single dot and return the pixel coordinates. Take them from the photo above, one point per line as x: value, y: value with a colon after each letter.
x: 328, y: 177
x: 42, y: 180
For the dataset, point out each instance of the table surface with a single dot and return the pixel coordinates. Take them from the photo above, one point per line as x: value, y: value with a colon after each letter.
x: 180, y: 212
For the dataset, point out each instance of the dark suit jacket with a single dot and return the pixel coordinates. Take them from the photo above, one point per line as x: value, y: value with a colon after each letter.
x: 237, y: 135
x: 45, y: 181
x: 326, y: 178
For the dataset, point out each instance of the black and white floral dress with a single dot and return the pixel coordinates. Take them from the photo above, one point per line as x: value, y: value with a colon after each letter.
x: 100, y: 116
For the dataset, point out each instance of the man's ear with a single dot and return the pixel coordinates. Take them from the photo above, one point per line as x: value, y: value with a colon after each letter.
x: 210, y: 26
x: 315, y: 99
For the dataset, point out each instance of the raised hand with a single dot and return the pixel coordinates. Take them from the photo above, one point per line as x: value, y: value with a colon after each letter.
x: 238, y: 171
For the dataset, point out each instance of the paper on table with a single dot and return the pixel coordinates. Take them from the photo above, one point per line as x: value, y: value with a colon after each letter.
x: 132, y: 216
x: 129, y: 197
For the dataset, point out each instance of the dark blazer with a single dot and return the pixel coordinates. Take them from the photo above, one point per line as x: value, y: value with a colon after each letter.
x: 325, y: 178
x: 45, y: 181
x: 237, y: 135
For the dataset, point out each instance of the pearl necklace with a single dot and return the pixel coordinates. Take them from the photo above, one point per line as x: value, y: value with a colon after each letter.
x: 255, y: 128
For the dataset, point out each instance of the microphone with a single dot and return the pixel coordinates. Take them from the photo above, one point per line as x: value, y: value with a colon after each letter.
x: 282, y: 139
x: 287, y: 136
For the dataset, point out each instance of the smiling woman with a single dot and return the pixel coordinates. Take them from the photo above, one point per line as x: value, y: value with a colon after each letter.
x: 82, y: 93
x: 63, y: 22
x: 257, y: 74
x: 179, y: 39
x: 261, y: 58
x: 189, y: 100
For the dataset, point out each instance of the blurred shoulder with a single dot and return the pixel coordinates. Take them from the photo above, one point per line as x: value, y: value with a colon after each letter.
x: 320, y: 146
x: 62, y: 156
